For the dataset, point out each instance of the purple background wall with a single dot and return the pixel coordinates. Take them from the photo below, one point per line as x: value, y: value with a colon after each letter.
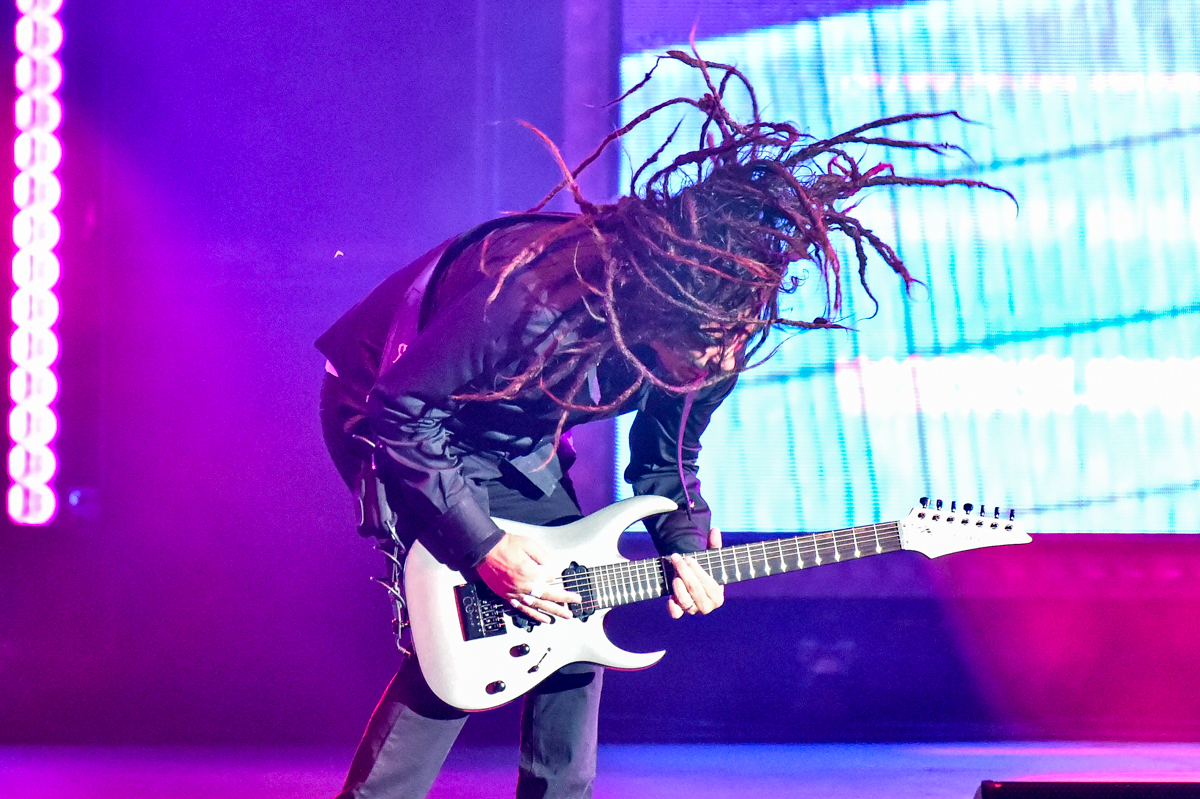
x: 207, y: 585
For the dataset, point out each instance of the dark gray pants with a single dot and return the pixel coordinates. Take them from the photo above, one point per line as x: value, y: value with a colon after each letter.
x: 411, y: 731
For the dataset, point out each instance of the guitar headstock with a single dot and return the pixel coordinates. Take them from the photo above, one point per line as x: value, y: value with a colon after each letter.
x: 936, y: 530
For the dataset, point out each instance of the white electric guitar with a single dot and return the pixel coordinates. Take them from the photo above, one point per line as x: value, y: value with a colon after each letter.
x: 477, y: 652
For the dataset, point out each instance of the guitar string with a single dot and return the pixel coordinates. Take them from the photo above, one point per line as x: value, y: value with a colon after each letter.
x: 633, y: 580
x: 649, y: 570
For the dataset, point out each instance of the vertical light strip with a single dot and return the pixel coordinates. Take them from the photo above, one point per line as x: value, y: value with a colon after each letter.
x: 33, y: 384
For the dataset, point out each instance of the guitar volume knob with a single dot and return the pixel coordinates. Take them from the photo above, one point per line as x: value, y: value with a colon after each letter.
x: 495, y: 687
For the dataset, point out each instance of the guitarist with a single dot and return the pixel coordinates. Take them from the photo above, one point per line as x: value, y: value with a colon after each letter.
x: 450, y: 389
x: 449, y: 463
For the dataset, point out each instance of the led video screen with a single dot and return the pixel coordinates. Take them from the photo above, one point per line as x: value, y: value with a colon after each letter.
x: 1053, y: 363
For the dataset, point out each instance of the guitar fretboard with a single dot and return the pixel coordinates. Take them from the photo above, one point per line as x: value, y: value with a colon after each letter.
x: 633, y: 581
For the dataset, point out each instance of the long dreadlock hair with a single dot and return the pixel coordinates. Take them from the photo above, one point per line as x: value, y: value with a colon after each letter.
x: 701, y: 251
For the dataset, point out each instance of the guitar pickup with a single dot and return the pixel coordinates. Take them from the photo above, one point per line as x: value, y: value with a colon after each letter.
x: 577, y: 579
x: 481, y: 614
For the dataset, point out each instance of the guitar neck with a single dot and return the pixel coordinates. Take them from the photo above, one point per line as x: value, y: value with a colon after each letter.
x: 637, y: 580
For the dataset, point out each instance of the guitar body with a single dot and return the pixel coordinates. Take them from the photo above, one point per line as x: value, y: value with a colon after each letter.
x: 494, y: 668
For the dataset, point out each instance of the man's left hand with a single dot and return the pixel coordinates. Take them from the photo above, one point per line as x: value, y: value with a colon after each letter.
x: 693, y: 590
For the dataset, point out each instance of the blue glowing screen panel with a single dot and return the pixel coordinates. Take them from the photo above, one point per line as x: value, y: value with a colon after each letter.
x: 1053, y: 364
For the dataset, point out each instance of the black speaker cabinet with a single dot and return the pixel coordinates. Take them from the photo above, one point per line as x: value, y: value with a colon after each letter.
x: 1088, y: 790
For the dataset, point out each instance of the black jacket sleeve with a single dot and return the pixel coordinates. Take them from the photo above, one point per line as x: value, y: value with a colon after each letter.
x: 654, y: 464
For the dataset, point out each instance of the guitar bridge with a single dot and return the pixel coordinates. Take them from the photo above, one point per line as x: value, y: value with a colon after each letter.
x: 480, y: 612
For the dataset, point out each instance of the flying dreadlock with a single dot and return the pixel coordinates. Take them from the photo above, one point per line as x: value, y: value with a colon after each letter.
x: 705, y: 263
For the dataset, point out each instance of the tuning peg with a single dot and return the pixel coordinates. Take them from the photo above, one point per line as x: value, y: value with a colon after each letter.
x: 1012, y: 515
x: 939, y: 504
x: 983, y: 510
x: 953, y: 505
x: 924, y: 502
x: 996, y: 515
x: 968, y: 507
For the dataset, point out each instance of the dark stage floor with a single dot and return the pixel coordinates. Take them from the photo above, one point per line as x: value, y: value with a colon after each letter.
x: 871, y: 771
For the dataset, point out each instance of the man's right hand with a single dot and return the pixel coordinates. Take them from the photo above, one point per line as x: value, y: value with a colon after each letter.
x: 515, y: 569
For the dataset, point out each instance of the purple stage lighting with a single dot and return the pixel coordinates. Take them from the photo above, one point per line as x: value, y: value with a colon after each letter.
x: 37, y: 151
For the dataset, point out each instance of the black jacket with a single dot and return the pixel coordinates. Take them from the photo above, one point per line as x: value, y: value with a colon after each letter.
x: 438, y: 449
